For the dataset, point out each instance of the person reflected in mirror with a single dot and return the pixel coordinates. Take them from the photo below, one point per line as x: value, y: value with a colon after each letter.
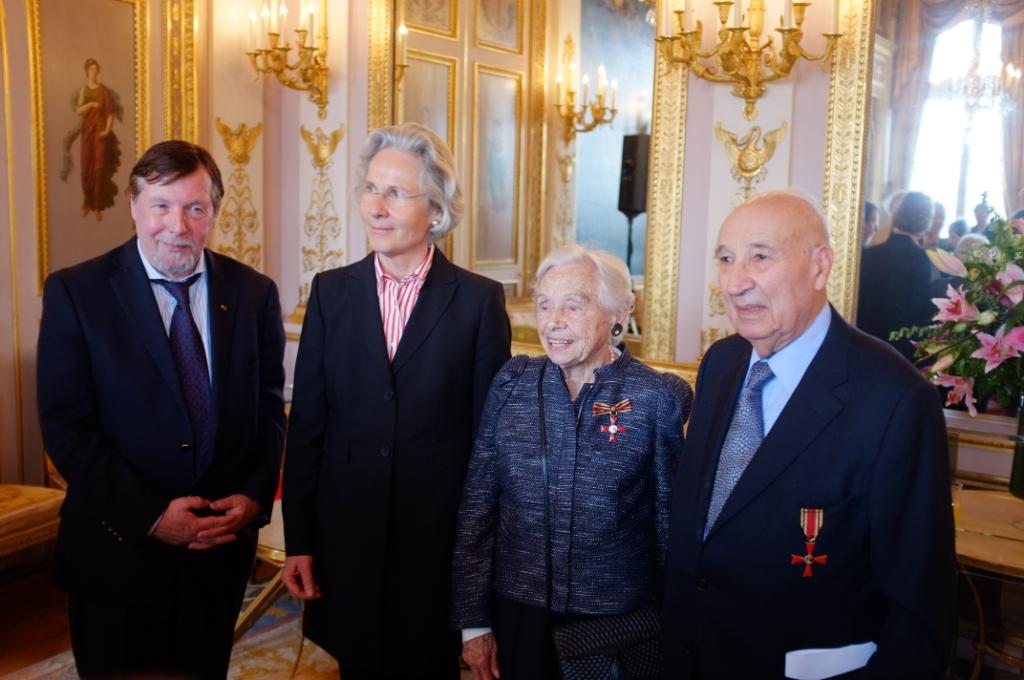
x: 895, y: 276
x: 613, y: 429
x: 395, y: 359
x: 811, y: 532
x: 869, y: 223
x: 930, y: 239
x: 957, y: 230
x: 982, y: 217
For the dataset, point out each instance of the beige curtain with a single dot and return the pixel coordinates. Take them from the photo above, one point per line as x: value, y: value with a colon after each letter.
x: 1013, y: 123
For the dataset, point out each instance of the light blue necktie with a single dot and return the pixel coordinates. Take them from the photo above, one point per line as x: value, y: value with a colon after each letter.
x: 746, y: 432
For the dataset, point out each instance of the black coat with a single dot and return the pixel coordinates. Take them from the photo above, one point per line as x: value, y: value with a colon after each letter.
x: 115, y: 423
x: 862, y: 438
x: 377, y: 454
x: 896, y: 290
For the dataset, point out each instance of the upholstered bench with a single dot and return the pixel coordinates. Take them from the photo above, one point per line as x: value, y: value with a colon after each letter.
x: 28, y: 515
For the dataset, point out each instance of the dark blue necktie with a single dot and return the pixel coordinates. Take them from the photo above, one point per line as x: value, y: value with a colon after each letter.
x: 190, y: 356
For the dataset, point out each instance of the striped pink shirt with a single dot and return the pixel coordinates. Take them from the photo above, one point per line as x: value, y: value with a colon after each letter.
x: 397, y: 299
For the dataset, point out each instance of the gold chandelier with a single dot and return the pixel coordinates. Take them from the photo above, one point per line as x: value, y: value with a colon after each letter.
x: 740, y: 57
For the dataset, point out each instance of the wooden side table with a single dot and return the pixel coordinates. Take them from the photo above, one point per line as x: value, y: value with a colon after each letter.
x: 28, y: 515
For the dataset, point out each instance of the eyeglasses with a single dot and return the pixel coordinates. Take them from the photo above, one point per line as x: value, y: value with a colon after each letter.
x: 393, y: 196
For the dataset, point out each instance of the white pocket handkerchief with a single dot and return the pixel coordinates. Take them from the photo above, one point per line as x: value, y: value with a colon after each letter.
x: 817, y: 664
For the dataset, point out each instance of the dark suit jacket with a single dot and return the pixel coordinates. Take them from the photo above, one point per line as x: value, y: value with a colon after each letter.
x: 862, y: 438
x: 895, y: 290
x: 377, y: 453
x: 115, y: 423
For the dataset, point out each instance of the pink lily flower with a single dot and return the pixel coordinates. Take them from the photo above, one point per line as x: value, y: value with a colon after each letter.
x: 1009, y: 275
x: 995, y: 349
x: 955, y: 308
x: 946, y: 262
x: 963, y: 391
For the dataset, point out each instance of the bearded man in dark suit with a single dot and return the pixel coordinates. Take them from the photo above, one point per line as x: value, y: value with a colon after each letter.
x: 811, y: 507
x: 160, y: 398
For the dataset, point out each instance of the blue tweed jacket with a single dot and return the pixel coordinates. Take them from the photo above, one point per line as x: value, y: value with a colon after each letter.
x: 609, y: 492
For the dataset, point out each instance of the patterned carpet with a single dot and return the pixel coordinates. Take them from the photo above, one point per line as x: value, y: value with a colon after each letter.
x: 269, y: 651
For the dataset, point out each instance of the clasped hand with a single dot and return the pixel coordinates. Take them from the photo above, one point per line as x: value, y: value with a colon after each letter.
x: 181, y: 525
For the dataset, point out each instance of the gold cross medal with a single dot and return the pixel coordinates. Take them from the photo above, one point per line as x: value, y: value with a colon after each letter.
x: 811, y: 521
x: 613, y: 429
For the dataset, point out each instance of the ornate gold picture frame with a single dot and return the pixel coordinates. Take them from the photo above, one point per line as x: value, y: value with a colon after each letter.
x: 433, y: 17
x: 427, y: 94
x: 498, y: 25
x: 90, y: 120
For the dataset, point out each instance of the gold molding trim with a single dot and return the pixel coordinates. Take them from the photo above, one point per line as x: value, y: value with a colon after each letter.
x: 452, y: 64
x: 517, y: 77
x: 536, y: 142
x: 664, y: 209
x: 453, y: 23
x: 849, y: 92
x: 321, y: 227
x: 5, y: 73
x: 381, y: 86
x: 238, y: 221
x: 181, y: 115
x: 142, y: 111
x: 498, y: 47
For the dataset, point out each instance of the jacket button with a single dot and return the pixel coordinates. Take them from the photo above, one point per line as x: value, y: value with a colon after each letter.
x: 702, y: 584
x: 385, y: 451
x: 389, y: 395
x: 186, y: 446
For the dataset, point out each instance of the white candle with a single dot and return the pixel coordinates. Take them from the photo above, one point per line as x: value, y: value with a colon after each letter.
x: 275, y: 10
x: 737, y: 14
x: 265, y: 21
x: 282, y: 24
x: 788, y: 22
x: 586, y: 86
x: 615, y: 91
x: 602, y: 81
x: 311, y: 23
x: 402, y: 32
x: 252, y: 31
x: 835, y: 16
x: 666, y: 17
x: 558, y: 90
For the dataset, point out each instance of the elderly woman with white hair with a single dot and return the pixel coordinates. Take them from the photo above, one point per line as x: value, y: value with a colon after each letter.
x: 394, y: 363
x: 562, y: 531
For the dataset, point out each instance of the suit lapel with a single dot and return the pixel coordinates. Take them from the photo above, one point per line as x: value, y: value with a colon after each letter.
x: 222, y: 293
x: 366, y: 310
x: 135, y: 294
x: 436, y: 294
x: 809, y: 410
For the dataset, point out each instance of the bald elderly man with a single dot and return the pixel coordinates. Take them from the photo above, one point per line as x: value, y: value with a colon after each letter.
x: 811, y: 508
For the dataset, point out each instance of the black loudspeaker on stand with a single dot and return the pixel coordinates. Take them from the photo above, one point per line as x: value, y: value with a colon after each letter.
x: 633, y: 184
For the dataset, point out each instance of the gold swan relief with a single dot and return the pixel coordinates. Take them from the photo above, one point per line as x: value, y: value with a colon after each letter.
x: 750, y: 153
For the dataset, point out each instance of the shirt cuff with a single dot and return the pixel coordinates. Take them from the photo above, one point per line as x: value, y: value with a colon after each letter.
x: 152, y: 529
x: 470, y: 633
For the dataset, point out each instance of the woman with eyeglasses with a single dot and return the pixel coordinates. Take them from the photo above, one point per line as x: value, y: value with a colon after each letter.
x: 396, y: 356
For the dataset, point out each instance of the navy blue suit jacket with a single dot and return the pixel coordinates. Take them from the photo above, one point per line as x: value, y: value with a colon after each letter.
x: 115, y: 423
x: 863, y: 439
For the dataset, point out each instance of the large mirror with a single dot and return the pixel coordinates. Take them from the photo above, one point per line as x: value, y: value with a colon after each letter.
x: 946, y: 121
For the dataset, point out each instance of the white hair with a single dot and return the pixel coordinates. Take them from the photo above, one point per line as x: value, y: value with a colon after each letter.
x: 438, y: 179
x: 614, y: 287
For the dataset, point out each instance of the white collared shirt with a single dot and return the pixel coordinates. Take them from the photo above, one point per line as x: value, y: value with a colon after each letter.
x: 198, y: 301
x: 789, y: 365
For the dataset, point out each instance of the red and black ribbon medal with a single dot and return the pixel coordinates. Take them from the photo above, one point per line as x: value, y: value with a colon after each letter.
x: 613, y: 429
x: 811, y: 521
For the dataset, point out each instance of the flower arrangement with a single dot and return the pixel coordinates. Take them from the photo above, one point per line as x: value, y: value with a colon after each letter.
x: 977, y: 342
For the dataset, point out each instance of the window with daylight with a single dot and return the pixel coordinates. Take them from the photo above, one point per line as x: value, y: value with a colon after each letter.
x: 966, y: 104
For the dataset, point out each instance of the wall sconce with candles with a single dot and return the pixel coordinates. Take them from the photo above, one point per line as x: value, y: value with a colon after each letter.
x: 574, y: 117
x: 740, y: 57
x: 401, y: 53
x: 309, y: 72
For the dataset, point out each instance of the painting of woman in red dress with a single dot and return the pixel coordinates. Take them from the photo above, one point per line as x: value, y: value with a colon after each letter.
x: 97, y: 105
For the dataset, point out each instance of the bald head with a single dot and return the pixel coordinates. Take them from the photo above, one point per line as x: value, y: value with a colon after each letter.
x: 773, y: 264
